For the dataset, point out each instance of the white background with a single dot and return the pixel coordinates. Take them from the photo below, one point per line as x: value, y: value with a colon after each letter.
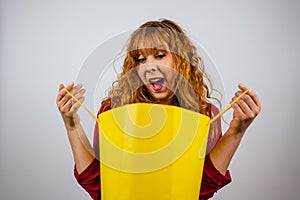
x: 44, y: 43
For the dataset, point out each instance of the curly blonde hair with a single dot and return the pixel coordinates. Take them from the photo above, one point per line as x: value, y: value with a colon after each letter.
x: 191, y: 91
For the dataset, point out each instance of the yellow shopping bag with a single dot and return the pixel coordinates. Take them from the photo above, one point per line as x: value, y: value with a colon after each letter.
x: 151, y: 152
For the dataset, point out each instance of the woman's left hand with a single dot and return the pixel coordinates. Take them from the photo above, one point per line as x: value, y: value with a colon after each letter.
x: 245, y: 110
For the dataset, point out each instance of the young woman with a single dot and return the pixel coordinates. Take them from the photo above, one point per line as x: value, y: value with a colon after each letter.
x: 162, y: 67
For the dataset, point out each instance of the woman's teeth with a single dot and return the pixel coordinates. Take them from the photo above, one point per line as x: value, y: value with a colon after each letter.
x: 156, y: 80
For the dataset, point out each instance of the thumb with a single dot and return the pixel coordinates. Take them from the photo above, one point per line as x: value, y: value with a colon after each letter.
x: 61, y: 86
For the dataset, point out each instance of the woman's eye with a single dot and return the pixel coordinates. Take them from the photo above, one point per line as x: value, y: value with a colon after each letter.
x: 160, y: 56
x: 140, y: 60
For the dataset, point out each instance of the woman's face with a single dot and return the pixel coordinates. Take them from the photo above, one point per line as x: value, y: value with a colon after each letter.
x: 157, y: 71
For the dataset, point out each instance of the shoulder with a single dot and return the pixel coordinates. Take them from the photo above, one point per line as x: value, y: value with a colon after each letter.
x: 214, y: 109
x: 105, y: 105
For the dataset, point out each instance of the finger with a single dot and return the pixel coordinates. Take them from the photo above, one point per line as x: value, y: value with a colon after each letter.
x: 61, y: 86
x: 252, y: 104
x: 246, y: 109
x: 69, y: 87
x: 78, y: 95
x: 65, y: 108
x: 238, y: 112
x: 62, y: 92
x: 251, y: 93
x: 63, y: 97
x: 71, y: 107
x: 77, y: 91
x: 76, y: 106
x: 63, y: 101
x: 59, y: 96
x: 249, y: 101
x: 242, y: 87
x: 76, y: 88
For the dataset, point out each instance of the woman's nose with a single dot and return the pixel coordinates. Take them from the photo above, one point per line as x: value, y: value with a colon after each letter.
x: 150, y: 64
x: 151, y: 67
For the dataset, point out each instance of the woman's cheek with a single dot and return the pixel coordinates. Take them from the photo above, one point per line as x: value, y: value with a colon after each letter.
x: 140, y: 74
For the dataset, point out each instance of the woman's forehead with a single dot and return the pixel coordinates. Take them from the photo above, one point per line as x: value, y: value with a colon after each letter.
x: 150, y: 39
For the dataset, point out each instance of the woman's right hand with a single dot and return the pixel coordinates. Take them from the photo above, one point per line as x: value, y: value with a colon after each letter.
x: 81, y: 148
x: 67, y: 106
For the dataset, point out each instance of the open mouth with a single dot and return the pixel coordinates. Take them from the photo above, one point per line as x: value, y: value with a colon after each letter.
x: 157, y: 83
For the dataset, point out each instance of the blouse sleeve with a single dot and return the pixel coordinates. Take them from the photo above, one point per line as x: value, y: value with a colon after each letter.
x: 89, y: 179
x: 212, y: 179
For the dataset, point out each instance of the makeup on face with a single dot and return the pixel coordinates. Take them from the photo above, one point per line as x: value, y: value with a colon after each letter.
x: 157, y: 72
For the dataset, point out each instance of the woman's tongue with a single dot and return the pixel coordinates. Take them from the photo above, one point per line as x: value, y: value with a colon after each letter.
x: 157, y: 86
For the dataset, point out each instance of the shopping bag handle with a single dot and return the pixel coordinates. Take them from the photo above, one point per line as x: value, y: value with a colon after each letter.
x: 211, y: 121
x: 81, y: 104
x: 229, y: 106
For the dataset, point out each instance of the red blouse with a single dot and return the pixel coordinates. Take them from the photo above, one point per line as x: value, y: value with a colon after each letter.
x: 212, y: 179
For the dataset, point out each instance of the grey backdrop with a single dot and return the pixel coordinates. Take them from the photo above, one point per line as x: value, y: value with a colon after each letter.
x: 44, y: 43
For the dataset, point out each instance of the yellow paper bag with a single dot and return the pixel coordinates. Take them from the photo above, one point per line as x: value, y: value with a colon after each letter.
x: 151, y: 152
